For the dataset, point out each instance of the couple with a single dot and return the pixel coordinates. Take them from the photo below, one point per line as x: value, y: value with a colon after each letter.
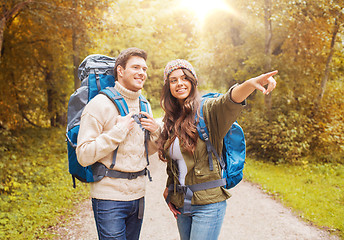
x: 118, y: 203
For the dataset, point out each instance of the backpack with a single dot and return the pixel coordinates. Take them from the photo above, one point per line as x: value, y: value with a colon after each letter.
x: 96, y: 73
x: 233, y: 155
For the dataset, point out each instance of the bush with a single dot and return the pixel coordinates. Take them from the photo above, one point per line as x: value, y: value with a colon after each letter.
x: 36, y: 187
x: 285, y: 138
x: 292, y: 130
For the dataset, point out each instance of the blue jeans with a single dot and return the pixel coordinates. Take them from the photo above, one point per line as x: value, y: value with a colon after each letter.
x: 204, y: 223
x: 117, y: 219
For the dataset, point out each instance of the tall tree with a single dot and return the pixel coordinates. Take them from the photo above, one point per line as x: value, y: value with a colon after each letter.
x: 8, y: 11
x: 268, y: 40
x: 338, y: 21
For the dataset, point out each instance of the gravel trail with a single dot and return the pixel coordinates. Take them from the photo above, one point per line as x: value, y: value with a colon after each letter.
x: 251, y: 215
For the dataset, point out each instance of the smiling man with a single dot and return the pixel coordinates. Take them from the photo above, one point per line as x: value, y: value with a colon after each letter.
x: 118, y: 203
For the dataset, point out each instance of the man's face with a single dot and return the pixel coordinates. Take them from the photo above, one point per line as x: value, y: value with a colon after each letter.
x: 134, y: 75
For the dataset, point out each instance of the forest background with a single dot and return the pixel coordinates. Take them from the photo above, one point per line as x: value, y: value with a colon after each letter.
x: 42, y: 43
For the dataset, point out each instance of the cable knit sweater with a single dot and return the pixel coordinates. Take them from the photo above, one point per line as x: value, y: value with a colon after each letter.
x: 100, y: 134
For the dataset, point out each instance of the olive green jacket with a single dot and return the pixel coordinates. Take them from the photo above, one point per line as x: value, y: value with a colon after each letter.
x: 219, y: 114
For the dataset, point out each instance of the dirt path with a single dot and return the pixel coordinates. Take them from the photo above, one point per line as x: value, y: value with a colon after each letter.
x: 251, y: 215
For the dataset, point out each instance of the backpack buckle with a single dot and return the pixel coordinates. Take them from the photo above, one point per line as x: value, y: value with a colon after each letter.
x: 182, y: 188
x: 132, y: 176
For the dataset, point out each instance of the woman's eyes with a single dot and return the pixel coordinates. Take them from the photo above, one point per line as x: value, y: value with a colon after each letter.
x: 174, y: 80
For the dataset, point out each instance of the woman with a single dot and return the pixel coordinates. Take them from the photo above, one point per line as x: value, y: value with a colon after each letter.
x: 186, y: 154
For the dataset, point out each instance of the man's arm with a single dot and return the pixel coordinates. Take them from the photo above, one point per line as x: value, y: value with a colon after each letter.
x: 94, y: 143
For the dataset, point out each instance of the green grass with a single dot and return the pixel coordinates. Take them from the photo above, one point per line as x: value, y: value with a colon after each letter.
x: 35, y: 186
x: 314, y: 192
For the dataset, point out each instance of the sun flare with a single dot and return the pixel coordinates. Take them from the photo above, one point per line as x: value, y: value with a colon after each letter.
x: 203, y: 7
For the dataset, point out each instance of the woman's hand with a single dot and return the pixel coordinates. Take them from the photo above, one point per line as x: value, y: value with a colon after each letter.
x: 170, y: 205
x: 242, y: 91
x: 262, y: 80
x: 149, y: 123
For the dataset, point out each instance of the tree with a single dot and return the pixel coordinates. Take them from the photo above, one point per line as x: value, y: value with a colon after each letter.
x: 338, y: 21
x: 33, y: 90
x: 268, y: 50
x: 9, y: 10
x: 164, y: 35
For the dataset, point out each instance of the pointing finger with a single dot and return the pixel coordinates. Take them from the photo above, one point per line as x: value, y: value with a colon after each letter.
x: 271, y: 85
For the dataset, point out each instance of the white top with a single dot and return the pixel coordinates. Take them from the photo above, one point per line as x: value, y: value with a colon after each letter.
x: 177, y: 156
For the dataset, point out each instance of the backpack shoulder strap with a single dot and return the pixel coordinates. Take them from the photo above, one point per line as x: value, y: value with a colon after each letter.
x: 144, y: 107
x: 122, y: 108
x: 201, y: 126
x: 117, y: 99
x: 204, y: 135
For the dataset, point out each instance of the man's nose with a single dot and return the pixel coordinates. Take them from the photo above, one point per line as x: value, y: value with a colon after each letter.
x: 141, y: 71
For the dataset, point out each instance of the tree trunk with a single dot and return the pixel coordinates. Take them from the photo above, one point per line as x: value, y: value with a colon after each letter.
x: 327, y: 67
x: 50, y: 97
x: 76, y: 58
x: 75, y: 61
x: 2, y: 29
x: 6, y: 16
x: 268, y: 38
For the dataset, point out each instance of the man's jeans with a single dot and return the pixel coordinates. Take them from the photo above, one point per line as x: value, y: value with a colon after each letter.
x: 204, y: 223
x: 117, y: 219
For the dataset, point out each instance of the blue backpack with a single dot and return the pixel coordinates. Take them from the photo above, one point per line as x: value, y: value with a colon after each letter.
x: 233, y: 155
x: 97, y: 75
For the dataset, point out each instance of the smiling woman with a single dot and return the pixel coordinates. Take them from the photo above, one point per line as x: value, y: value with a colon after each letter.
x: 203, y: 7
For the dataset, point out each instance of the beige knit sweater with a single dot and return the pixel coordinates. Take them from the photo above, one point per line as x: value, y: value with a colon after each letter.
x: 100, y: 134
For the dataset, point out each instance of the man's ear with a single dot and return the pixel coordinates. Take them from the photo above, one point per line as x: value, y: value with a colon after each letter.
x: 119, y: 71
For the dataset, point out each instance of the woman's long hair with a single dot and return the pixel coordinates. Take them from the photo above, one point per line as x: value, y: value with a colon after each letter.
x: 179, y: 121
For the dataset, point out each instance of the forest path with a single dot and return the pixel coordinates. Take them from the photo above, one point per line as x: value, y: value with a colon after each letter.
x: 251, y: 215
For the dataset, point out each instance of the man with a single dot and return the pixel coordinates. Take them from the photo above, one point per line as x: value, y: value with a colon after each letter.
x: 118, y: 202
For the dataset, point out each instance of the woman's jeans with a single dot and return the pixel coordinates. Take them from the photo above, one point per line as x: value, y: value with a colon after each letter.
x: 204, y: 223
x: 117, y: 219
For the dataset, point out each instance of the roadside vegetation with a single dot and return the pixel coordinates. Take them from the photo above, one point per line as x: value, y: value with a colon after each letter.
x: 35, y: 187
x: 315, y: 192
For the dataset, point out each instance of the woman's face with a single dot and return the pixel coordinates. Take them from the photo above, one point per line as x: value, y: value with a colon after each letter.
x: 180, y: 87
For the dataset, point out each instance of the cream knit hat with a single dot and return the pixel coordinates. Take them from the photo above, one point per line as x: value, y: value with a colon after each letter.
x: 178, y: 64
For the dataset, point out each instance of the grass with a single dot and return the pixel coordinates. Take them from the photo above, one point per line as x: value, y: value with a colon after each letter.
x: 314, y: 191
x: 35, y: 186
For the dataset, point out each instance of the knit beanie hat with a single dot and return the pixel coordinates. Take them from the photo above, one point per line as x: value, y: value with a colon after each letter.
x: 178, y: 64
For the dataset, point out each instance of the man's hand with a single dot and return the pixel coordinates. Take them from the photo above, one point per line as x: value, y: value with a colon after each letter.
x: 149, y: 122
x: 126, y: 122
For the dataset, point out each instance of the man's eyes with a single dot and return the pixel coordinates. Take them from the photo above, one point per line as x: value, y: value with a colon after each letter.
x: 138, y: 67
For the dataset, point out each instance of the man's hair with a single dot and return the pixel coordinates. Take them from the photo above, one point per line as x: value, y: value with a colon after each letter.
x: 124, y: 56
